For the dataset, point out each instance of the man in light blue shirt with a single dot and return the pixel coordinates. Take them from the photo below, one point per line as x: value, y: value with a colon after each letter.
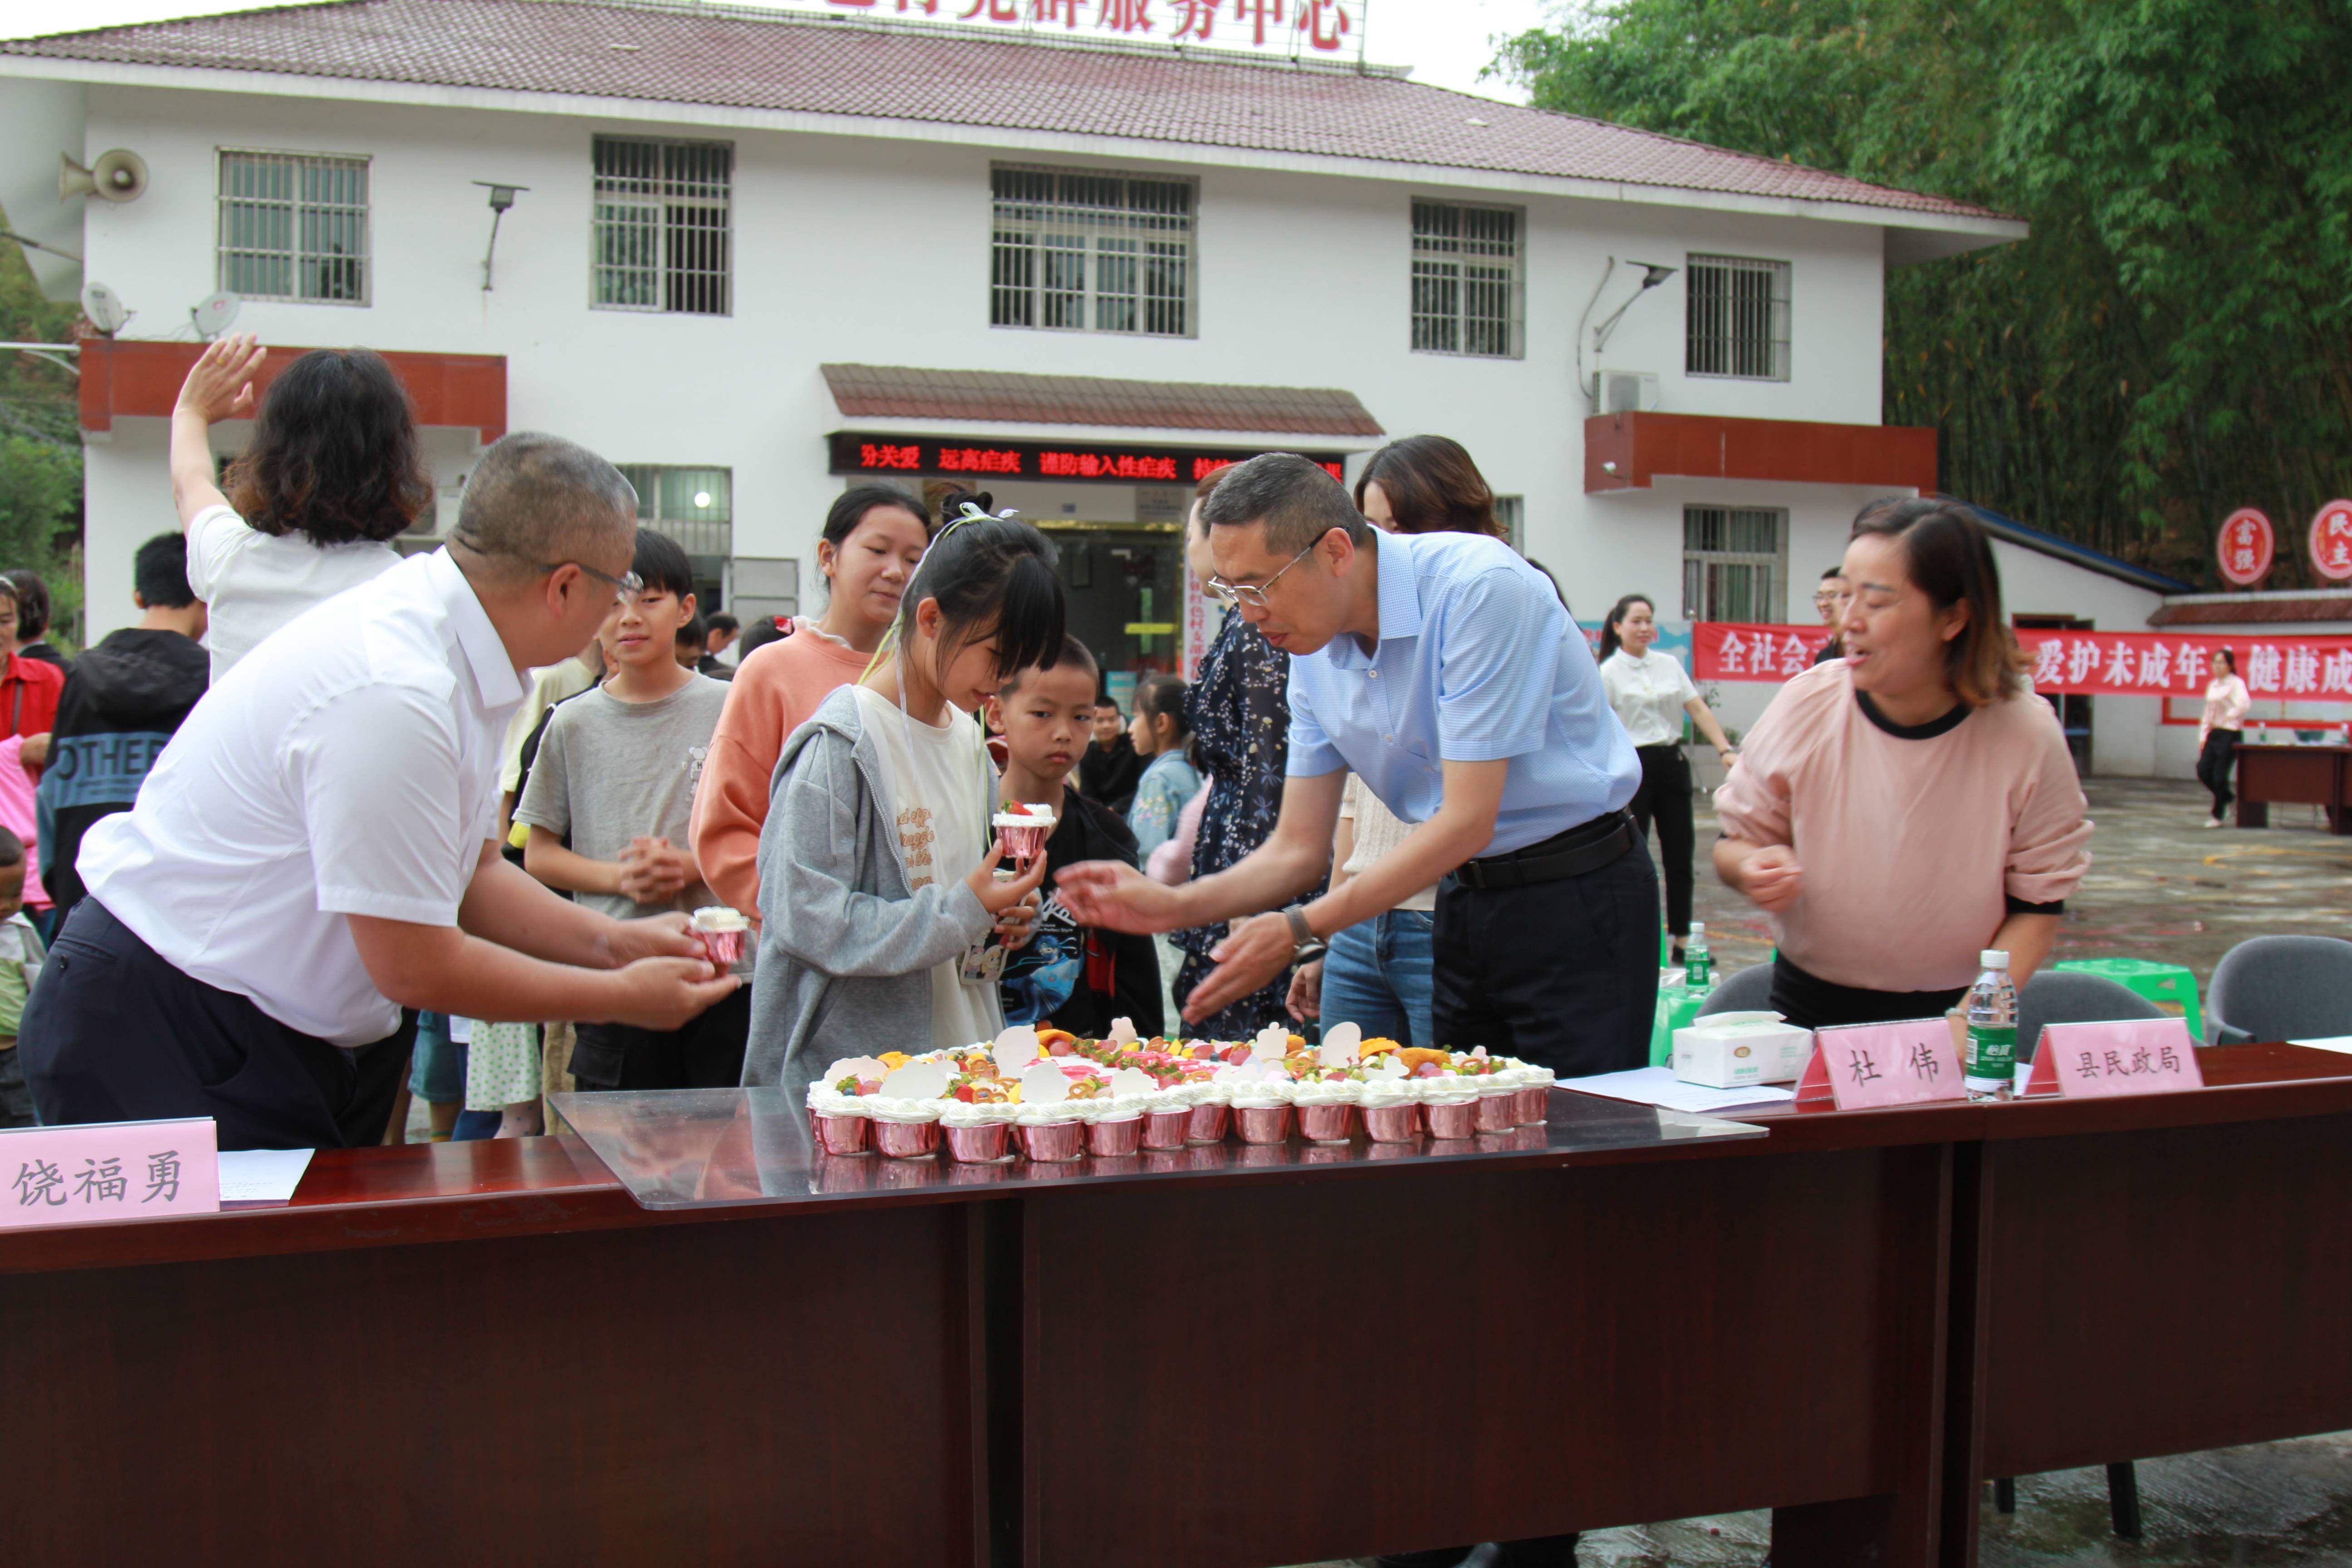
x: 1444, y: 671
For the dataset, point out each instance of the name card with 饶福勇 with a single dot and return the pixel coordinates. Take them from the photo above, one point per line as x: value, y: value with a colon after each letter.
x: 2127, y: 1056
x: 1861, y: 1066
x: 109, y: 1171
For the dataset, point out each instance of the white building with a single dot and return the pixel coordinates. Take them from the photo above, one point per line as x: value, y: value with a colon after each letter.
x: 751, y: 254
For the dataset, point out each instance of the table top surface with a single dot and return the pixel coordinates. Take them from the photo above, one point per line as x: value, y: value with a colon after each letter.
x: 524, y: 1187
x: 691, y: 1148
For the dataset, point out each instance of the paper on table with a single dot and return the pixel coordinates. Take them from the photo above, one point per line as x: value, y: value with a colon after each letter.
x: 1660, y: 1087
x: 251, y: 1177
x: 2341, y: 1044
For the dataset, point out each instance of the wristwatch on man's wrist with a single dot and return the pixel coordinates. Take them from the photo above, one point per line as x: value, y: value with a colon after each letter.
x: 1305, y: 945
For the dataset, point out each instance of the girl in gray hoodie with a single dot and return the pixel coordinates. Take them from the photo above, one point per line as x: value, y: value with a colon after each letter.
x: 876, y: 873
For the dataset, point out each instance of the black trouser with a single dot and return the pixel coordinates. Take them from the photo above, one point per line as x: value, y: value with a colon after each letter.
x: 1810, y: 1002
x: 114, y: 1033
x: 705, y: 1054
x: 1538, y: 1552
x: 2215, y: 763
x: 1665, y: 796
x: 1562, y: 974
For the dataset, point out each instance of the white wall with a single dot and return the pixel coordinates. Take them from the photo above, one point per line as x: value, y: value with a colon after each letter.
x: 878, y: 252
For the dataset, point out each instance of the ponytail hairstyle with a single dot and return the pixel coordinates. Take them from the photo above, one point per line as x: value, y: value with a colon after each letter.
x: 1162, y: 696
x: 1610, y: 642
x: 988, y: 575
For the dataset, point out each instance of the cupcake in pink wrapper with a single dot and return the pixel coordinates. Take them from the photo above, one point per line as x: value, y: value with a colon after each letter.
x: 1451, y: 1112
x: 1498, y: 1108
x: 978, y: 1134
x: 1168, y: 1118
x: 722, y: 932
x: 903, y: 1129
x: 1327, y: 1109
x: 1023, y: 829
x: 1262, y: 1111
x: 1535, y: 1095
x: 1212, y: 1114
x: 1052, y: 1132
x: 1392, y: 1112
x: 1114, y: 1135
x: 837, y: 1119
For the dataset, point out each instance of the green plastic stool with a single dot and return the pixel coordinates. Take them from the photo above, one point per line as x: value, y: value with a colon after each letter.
x: 2171, y: 987
x: 1678, y: 1008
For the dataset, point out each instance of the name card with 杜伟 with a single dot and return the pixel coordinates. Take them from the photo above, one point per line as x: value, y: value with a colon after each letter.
x: 1861, y: 1066
x: 2127, y: 1056
x: 109, y: 1171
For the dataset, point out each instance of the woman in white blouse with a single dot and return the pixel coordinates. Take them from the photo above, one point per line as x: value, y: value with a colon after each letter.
x: 1651, y: 692
x: 2226, y: 701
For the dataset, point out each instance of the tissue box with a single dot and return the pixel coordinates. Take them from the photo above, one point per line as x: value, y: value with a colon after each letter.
x: 1726, y: 1050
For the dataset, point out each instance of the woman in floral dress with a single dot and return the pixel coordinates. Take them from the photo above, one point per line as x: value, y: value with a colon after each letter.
x: 1239, y: 712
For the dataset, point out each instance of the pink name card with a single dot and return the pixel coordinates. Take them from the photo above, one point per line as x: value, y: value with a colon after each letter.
x: 108, y: 1170
x: 2130, y: 1055
x: 1861, y: 1066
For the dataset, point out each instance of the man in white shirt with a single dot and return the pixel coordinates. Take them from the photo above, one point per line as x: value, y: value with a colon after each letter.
x: 316, y: 851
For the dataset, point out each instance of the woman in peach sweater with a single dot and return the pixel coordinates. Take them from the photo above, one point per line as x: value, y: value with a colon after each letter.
x: 1898, y: 810
x: 874, y: 537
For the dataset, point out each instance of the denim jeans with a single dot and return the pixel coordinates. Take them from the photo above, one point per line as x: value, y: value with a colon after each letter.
x: 436, y: 1073
x: 1377, y: 976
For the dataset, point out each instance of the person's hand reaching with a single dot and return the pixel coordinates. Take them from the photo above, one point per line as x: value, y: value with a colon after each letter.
x: 1001, y: 898
x: 220, y: 384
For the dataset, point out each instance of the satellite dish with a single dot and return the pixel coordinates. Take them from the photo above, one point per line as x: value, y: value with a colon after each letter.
x: 104, y: 308
x: 214, y: 312
x: 119, y: 175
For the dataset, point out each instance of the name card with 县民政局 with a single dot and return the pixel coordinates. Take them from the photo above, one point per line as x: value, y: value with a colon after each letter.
x: 2127, y: 1056
x: 1865, y: 1066
x: 100, y: 1171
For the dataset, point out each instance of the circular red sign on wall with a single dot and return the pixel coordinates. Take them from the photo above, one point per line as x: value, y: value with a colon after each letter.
x: 2248, y: 544
x: 2331, y: 541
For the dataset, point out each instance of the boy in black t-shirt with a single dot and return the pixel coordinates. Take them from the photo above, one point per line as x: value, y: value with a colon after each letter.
x: 1068, y: 976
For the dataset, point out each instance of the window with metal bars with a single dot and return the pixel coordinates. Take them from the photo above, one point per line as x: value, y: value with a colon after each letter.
x: 1465, y: 281
x: 1080, y: 252
x: 1511, y: 512
x: 663, y: 239
x: 1735, y: 563
x: 694, y: 506
x: 1736, y: 317
x: 294, y: 226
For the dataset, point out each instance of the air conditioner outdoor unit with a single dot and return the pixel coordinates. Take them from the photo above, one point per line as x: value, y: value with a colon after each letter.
x: 1628, y: 391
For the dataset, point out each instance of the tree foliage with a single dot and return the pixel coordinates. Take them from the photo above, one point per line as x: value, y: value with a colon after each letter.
x: 2174, y: 341
x: 40, y: 441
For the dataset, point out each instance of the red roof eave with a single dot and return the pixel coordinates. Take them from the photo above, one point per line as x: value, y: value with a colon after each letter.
x: 127, y: 377
x: 1625, y: 451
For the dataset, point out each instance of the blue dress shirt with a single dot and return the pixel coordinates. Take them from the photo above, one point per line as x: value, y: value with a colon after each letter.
x: 1477, y: 662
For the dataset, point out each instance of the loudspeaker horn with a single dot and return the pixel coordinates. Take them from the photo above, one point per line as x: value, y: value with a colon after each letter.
x: 119, y: 175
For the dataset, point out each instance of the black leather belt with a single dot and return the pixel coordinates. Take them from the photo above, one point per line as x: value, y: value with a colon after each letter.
x: 1587, y: 847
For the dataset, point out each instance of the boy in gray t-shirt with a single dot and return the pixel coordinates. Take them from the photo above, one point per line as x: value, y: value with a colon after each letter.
x: 607, y: 807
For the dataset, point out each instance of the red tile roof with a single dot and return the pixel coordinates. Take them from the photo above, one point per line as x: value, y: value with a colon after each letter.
x: 2253, y: 610
x: 817, y: 65
x: 898, y: 392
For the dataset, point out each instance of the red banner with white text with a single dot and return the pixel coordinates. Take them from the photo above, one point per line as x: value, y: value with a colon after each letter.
x: 2103, y: 664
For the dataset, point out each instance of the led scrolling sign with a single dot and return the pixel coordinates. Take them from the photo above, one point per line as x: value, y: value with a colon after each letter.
x: 859, y: 452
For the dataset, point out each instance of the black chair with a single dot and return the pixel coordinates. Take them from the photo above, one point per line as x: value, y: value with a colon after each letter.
x: 2281, y: 988
x: 1749, y: 990
x: 2064, y: 996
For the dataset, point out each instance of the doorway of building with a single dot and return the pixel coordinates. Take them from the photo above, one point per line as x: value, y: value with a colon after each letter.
x: 2074, y: 706
x: 1123, y: 587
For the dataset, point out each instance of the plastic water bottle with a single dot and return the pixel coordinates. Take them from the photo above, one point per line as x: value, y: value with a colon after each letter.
x: 1992, y: 1026
x: 1698, y: 965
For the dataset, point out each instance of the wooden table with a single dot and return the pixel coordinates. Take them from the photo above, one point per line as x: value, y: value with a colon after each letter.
x: 2295, y: 775
x: 2154, y: 1276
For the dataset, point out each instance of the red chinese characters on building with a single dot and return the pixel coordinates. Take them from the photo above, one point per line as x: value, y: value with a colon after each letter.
x: 1063, y: 11
x: 2331, y: 541
x: 1258, y: 13
x: 1126, y: 15
x: 871, y: 456
x: 1102, y: 466
x: 1325, y: 23
x: 993, y: 11
x: 1194, y: 18
x: 978, y: 460
x: 2247, y: 545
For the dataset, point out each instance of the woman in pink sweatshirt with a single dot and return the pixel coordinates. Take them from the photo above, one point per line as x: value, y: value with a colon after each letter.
x: 2226, y: 701
x: 1902, y: 809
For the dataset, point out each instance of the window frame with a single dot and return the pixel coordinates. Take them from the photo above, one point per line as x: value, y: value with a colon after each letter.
x: 1698, y: 562
x: 1773, y: 349
x: 1513, y: 323
x: 296, y: 260
x: 647, y: 479
x: 669, y: 276
x: 1126, y: 240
